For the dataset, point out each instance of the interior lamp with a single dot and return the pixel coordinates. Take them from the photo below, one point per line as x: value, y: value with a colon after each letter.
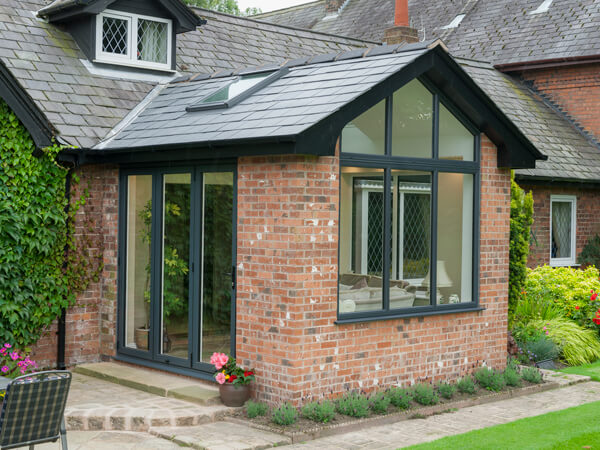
x: 443, y: 280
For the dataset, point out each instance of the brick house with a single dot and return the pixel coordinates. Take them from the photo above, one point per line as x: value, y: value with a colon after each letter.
x: 546, y: 52
x: 340, y: 205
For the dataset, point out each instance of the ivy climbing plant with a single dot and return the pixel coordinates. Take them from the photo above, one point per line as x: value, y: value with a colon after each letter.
x: 38, y: 254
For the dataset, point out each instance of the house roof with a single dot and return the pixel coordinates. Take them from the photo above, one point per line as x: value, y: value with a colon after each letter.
x: 84, y: 104
x: 570, y: 155
x: 497, y: 31
x: 308, y: 106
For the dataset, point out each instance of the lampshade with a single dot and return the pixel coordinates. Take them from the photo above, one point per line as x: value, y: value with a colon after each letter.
x: 443, y: 280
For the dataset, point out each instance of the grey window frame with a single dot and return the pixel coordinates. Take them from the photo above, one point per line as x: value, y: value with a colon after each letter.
x: 433, y: 165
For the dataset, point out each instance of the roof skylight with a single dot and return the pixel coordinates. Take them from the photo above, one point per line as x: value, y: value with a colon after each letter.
x: 237, y: 90
x: 455, y: 22
x: 544, y: 7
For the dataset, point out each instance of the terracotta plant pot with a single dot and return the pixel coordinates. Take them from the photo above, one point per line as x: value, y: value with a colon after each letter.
x: 234, y: 395
x: 141, y: 336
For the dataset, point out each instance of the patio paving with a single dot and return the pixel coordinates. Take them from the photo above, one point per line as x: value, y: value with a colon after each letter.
x: 96, y: 405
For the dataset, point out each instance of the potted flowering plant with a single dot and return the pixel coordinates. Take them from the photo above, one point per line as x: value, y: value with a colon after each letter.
x: 13, y: 364
x: 234, y: 381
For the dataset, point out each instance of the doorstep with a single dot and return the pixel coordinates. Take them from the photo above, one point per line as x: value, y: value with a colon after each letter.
x: 154, y: 382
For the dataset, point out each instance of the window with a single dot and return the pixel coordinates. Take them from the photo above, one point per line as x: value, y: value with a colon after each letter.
x: 134, y: 40
x: 408, y: 228
x: 563, y: 210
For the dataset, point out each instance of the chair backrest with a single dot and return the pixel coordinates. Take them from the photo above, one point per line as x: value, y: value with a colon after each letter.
x: 33, y: 408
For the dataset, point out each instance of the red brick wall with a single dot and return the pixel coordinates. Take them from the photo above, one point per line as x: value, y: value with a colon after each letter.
x: 588, y: 219
x: 287, y: 290
x: 95, y: 311
x: 576, y: 89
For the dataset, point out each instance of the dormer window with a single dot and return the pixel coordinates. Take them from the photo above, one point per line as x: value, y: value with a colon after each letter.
x: 133, y: 40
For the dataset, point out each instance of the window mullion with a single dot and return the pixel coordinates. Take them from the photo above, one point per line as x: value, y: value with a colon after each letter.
x: 436, y: 127
x: 434, y: 240
x: 387, y: 241
x: 133, y: 38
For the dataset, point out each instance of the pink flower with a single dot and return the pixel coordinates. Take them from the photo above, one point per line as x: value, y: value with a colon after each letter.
x: 4, y: 369
x: 7, y: 345
x: 219, y: 360
x: 14, y: 356
x: 220, y: 378
x: 547, y: 332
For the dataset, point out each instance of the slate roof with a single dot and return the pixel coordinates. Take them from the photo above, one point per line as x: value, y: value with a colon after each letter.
x: 84, y: 107
x: 497, y: 31
x: 288, y: 106
x: 570, y: 155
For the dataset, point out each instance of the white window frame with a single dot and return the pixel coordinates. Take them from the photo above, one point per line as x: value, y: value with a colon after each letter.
x: 130, y: 59
x: 570, y: 261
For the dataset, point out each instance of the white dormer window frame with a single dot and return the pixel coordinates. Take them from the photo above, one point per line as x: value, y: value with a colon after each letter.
x: 570, y: 259
x: 130, y: 58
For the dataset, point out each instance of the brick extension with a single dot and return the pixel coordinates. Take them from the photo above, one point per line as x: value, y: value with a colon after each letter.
x: 287, y: 290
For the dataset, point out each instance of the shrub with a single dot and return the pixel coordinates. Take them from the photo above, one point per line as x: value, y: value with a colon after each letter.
x: 590, y: 255
x: 578, y: 345
x: 379, y: 402
x: 512, y: 377
x: 400, y: 398
x: 466, y: 385
x: 255, y: 409
x: 534, y: 309
x: 319, y: 412
x: 446, y: 390
x: 521, y: 218
x: 542, y: 348
x: 286, y: 414
x: 353, y: 404
x: 563, y: 287
x: 531, y: 374
x: 424, y: 394
x: 490, y: 379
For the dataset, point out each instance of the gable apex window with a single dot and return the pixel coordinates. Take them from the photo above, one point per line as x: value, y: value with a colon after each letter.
x: 133, y: 40
x: 563, y: 222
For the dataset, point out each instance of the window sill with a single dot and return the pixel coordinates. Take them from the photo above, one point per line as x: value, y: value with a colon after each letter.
x: 132, y: 65
x: 564, y: 264
x: 407, y: 314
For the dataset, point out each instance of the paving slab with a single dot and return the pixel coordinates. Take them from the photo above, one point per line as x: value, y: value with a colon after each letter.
x: 95, y: 404
x: 417, y: 431
x: 221, y: 436
x: 157, y: 383
x: 111, y: 440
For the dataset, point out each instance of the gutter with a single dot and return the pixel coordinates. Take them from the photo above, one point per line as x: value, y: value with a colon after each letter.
x: 547, y: 63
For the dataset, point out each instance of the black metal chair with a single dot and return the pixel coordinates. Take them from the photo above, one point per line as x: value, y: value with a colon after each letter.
x: 33, y: 410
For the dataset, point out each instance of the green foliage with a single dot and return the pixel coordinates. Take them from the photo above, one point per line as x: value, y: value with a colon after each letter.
x: 424, y: 394
x: 531, y: 374
x: 285, y: 415
x: 532, y: 308
x: 353, y: 404
x: 446, y: 390
x: 578, y: 345
x: 466, y: 385
x: 226, y: 6
x: 490, y: 379
x: 565, y: 288
x: 590, y: 255
x: 512, y: 377
x: 400, y: 398
x: 319, y: 412
x: 41, y: 269
x: 521, y: 218
x: 255, y: 409
x: 541, y: 349
x: 379, y: 402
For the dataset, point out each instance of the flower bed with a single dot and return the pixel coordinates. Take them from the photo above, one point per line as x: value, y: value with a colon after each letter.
x: 302, y: 428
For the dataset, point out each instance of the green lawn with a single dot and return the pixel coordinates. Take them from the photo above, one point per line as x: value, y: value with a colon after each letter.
x: 573, y: 428
x: 591, y: 370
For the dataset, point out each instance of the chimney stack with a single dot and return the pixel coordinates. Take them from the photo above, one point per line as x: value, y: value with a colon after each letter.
x: 332, y: 6
x: 401, y: 31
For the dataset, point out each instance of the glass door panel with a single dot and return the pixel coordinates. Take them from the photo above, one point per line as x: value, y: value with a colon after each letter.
x: 137, y: 276
x: 216, y: 276
x: 175, y: 284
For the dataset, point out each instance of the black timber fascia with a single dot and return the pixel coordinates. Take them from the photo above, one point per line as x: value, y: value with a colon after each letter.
x: 25, y: 109
x: 186, y: 18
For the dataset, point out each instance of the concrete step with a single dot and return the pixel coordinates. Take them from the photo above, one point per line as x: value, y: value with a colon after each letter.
x: 221, y: 435
x: 153, y: 382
